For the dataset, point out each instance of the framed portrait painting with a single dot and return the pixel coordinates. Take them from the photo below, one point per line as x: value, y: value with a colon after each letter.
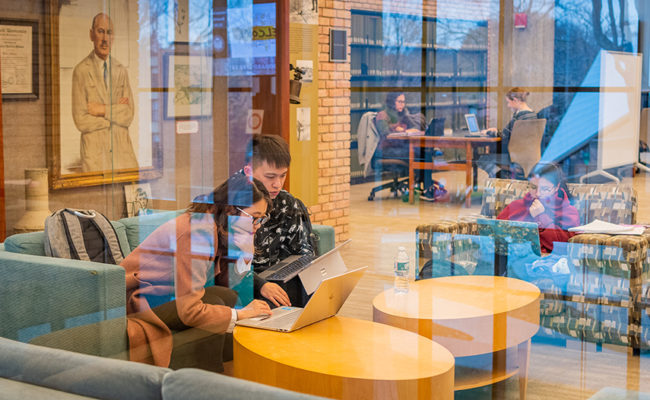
x: 99, y: 95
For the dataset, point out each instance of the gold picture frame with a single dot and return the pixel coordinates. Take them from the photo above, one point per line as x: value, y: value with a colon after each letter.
x: 63, y: 141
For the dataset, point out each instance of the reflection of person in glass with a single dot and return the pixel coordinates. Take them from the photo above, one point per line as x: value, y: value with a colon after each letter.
x: 547, y: 204
x: 102, y: 104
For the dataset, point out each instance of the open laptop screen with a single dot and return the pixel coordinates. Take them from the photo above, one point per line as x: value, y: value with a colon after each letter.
x: 472, y: 123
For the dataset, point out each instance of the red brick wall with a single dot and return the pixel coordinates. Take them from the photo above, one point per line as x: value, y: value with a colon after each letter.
x: 333, y: 206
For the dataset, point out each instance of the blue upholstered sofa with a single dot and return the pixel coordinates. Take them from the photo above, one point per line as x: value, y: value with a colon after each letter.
x: 34, y: 372
x: 77, y: 305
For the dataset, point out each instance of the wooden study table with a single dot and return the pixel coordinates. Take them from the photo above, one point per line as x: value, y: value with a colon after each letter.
x: 485, y: 321
x: 418, y: 140
x: 346, y: 358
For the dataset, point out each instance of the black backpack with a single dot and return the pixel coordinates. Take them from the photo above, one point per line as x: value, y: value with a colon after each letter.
x: 82, y: 235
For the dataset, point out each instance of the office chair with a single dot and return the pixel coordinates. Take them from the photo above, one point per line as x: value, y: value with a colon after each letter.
x: 397, y: 168
x: 524, y: 147
x: 526, y: 143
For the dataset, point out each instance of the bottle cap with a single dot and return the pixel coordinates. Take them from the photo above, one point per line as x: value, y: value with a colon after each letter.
x: 401, y: 248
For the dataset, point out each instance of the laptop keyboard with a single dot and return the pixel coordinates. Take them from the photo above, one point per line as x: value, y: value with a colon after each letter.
x: 292, y: 269
x: 282, y: 321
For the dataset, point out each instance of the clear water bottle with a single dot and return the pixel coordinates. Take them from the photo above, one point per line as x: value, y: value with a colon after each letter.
x: 401, y: 271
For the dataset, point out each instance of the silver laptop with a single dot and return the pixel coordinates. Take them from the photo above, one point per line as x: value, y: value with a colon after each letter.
x: 326, y: 302
x: 330, y: 262
x: 472, y: 124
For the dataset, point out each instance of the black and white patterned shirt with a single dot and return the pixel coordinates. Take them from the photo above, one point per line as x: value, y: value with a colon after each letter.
x: 287, y: 232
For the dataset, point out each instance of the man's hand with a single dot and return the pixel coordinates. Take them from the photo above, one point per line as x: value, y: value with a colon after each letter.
x: 255, y: 308
x: 96, y: 109
x: 276, y: 294
x: 123, y: 100
x: 536, y: 208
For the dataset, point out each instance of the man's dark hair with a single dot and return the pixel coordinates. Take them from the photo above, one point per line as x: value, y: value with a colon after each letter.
x: 271, y: 149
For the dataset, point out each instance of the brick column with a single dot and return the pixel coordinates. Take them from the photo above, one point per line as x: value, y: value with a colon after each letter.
x: 333, y: 206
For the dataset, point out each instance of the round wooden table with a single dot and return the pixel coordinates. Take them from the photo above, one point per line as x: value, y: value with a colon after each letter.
x: 346, y: 358
x: 485, y: 321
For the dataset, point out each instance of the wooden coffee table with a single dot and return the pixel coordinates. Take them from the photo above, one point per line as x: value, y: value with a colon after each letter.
x: 346, y: 358
x: 485, y: 321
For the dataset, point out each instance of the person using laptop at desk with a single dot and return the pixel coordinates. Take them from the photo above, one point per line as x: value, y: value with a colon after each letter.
x: 166, y: 277
x: 547, y: 204
x: 516, y: 99
x: 288, y: 230
x: 395, y: 117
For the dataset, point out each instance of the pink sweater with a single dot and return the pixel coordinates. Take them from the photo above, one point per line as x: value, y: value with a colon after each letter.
x: 174, y: 260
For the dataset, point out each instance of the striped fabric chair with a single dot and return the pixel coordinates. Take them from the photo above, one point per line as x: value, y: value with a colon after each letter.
x: 602, y: 300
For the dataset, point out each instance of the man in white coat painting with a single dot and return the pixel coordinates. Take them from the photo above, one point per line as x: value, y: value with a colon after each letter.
x: 102, y: 104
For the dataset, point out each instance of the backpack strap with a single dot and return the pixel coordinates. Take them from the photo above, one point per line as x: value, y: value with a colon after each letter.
x: 56, y: 239
x: 74, y: 232
x: 106, y: 228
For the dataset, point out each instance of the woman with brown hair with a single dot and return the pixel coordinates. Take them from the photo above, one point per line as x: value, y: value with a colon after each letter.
x: 171, y: 277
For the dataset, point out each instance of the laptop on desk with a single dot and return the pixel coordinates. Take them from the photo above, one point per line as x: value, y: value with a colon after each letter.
x: 310, y: 268
x: 436, y: 127
x: 472, y: 125
x: 326, y: 302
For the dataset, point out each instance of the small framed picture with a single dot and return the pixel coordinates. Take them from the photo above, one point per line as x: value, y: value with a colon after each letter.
x: 188, y: 91
x: 138, y: 199
x: 19, y: 54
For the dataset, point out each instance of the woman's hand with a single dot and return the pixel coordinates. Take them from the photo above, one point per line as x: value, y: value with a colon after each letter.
x: 255, y: 308
x: 412, y: 130
x: 399, y: 128
x: 536, y: 208
x: 276, y: 294
x: 242, y: 236
x: 244, y: 241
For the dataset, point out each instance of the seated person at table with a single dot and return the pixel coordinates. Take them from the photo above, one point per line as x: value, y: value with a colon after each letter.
x: 288, y: 230
x: 516, y: 100
x: 547, y: 204
x: 167, y: 273
x: 395, y: 118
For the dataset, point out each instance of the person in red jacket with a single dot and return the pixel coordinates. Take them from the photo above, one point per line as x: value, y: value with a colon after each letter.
x: 547, y: 204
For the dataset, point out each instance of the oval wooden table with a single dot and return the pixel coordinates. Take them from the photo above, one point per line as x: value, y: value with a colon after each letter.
x: 346, y: 358
x: 485, y: 321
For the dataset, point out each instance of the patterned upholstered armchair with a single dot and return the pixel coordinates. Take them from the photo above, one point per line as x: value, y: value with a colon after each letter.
x: 598, y: 301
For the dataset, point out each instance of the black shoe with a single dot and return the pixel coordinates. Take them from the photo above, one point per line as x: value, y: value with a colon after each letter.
x: 428, y: 195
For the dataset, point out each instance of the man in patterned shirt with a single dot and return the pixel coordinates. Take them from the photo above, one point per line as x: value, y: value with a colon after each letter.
x: 288, y: 230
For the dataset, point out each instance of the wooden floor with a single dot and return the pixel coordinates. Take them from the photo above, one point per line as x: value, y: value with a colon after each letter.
x: 572, y: 371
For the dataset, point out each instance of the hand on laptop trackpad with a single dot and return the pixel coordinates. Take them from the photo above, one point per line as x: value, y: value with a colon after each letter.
x: 261, y: 317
